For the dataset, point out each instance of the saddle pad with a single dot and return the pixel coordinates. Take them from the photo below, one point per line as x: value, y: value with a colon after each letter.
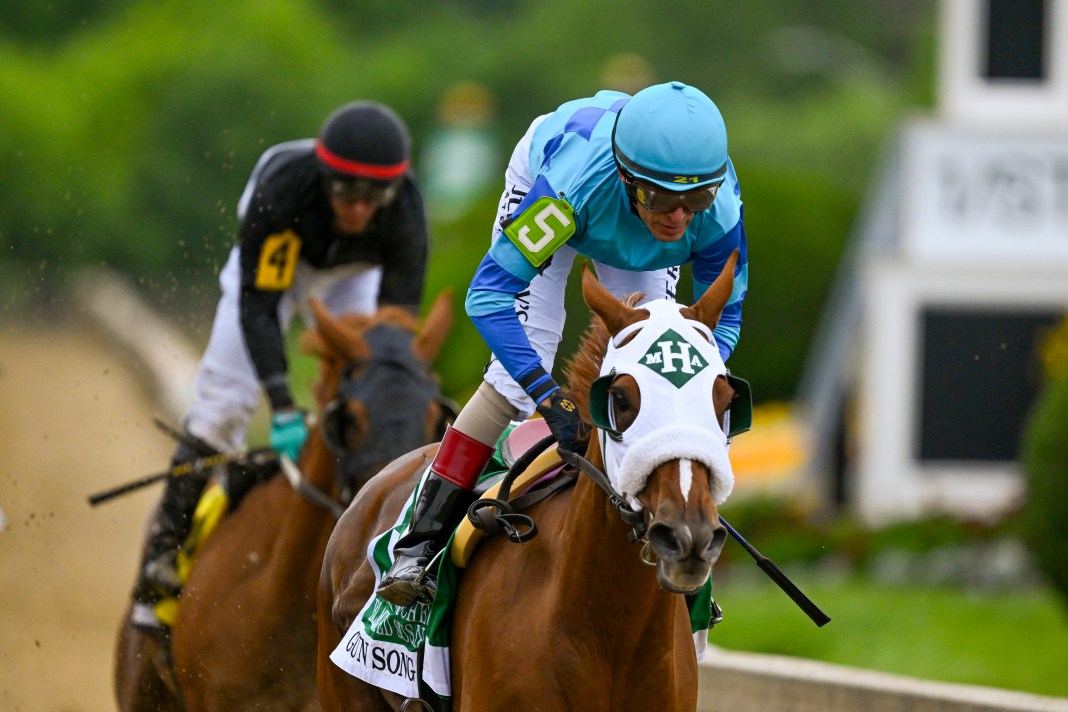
x: 521, y: 438
x: 213, y: 505
x: 467, y: 538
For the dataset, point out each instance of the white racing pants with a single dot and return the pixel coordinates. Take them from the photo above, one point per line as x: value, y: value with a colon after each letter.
x: 226, y: 390
x: 541, y: 308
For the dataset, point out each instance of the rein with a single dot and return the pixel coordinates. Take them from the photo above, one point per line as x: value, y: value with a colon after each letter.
x: 309, y: 491
x: 630, y: 517
x: 497, y: 515
x: 390, y: 383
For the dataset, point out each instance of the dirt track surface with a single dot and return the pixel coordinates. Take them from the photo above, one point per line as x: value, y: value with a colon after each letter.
x: 75, y: 420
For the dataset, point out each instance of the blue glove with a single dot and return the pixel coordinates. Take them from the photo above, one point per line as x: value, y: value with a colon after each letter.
x: 288, y: 433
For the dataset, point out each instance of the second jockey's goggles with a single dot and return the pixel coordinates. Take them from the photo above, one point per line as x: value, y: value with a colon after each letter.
x: 661, y: 200
x: 349, y: 190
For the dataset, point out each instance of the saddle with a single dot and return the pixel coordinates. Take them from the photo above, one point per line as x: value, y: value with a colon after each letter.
x: 545, y: 467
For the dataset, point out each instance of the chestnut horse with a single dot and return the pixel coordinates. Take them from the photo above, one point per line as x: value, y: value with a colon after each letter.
x: 244, y: 636
x: 573, y: 619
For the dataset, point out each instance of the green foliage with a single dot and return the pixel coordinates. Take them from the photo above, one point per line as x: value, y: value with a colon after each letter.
x: 1013, y: 640
x: 458, y: 249
x: 49, y: 22
x: 111, y: 165
x: 954, y: 633
x: 787, y: 532
x: 1045, y: 460
x: 127, y: 140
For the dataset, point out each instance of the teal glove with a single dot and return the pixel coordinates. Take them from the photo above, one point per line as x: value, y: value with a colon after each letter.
x: 288, y: 433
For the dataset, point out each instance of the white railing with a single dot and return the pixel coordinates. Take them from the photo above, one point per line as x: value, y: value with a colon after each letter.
x: 748, y: 682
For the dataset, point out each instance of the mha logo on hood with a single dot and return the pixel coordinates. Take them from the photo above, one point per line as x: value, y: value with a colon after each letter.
x: 674, y: 358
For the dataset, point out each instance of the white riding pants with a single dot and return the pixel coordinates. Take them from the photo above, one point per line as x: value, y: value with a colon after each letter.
x: 226, y: 390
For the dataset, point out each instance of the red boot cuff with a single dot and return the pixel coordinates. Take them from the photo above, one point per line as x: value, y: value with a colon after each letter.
x: 461, y: 458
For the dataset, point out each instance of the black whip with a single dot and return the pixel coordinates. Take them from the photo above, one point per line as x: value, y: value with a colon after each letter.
x: 775, y: 574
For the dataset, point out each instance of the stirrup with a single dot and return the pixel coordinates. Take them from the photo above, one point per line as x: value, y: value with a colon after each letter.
x: 405, y: 592
x: 162, y: 574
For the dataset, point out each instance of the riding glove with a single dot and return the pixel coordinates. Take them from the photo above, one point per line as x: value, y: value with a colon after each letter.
x: 288, y: 432
x: 563, y: 419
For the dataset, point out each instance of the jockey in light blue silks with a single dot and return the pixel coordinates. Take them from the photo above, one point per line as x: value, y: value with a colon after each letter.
x: 640, y: 185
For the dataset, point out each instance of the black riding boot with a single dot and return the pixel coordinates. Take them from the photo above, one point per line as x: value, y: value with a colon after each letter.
x: 440, y: 507
x: 159, y: 571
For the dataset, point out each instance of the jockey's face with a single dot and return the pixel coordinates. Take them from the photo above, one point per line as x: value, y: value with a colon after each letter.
x: 352, y: 215
x: 355, y: 201
x: 666, y: 225
x: 667, y: 214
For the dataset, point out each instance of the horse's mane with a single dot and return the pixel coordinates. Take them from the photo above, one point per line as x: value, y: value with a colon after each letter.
x: 395, y: 316
x: 331, y: 360
x: 312, y: 343
x: 584, y: 366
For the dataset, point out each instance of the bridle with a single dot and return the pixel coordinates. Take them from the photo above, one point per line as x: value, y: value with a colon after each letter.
x: 391, y: 384
x: 663, y: 320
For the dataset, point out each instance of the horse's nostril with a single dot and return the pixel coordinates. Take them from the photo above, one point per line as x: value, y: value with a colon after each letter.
x: 667, y: 542
x: 715, y: 544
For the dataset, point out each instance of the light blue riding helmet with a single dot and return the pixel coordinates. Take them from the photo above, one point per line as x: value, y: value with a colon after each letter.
x: 672, y: 135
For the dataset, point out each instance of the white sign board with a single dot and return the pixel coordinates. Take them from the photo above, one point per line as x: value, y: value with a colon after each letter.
x: 967, y: 97
x: 986, y: 199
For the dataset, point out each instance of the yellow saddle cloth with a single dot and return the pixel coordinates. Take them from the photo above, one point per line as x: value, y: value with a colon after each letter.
x: 211, y: 508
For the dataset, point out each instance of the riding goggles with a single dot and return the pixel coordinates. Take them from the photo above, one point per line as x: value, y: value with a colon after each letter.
x: 661, y: 200
x: 350, y: 190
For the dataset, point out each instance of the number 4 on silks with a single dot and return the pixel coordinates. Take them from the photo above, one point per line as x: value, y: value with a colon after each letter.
x: 278, y: 261
x: 542, y: 228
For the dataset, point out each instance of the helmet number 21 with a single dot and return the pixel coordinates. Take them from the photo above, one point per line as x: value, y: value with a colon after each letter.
x: 542, y: 228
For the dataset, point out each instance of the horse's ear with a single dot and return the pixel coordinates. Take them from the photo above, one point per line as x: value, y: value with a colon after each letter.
x: 335, y: 334
x: 435, y: 327
x: 709, y: 307
x: 613, y: 312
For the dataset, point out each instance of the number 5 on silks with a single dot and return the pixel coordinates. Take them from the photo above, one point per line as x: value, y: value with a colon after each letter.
x: 542, y: 228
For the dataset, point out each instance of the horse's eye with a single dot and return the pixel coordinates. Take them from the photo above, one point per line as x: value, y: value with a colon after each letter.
x: 355, y: 425
x: 621, y: 410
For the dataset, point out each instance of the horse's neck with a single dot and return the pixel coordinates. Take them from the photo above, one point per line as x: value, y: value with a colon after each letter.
x: 602, y: 566
x: 305, y: 526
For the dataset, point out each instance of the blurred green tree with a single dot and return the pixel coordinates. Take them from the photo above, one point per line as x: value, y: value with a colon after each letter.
x: 1044, y: 454
x: 129, y: 128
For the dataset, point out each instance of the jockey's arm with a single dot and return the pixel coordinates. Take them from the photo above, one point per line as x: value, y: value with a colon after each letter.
x: 707, y: 264
x: 269, y: 255
x: 490, y: 305
x: 405, y: 257
x: 266, y: 348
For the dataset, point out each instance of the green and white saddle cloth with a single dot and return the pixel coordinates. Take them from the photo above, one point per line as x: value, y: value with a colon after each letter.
x: 383, y: 646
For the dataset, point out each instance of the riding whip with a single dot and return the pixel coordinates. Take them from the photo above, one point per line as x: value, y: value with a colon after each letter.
x: 259, y: 457
x: 775, y: 574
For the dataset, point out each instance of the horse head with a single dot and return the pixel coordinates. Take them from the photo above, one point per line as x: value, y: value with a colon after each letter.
x: 659, y: 403
x: 377, y: 394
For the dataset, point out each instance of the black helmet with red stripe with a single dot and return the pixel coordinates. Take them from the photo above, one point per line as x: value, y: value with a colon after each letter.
x: 363, y: 142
